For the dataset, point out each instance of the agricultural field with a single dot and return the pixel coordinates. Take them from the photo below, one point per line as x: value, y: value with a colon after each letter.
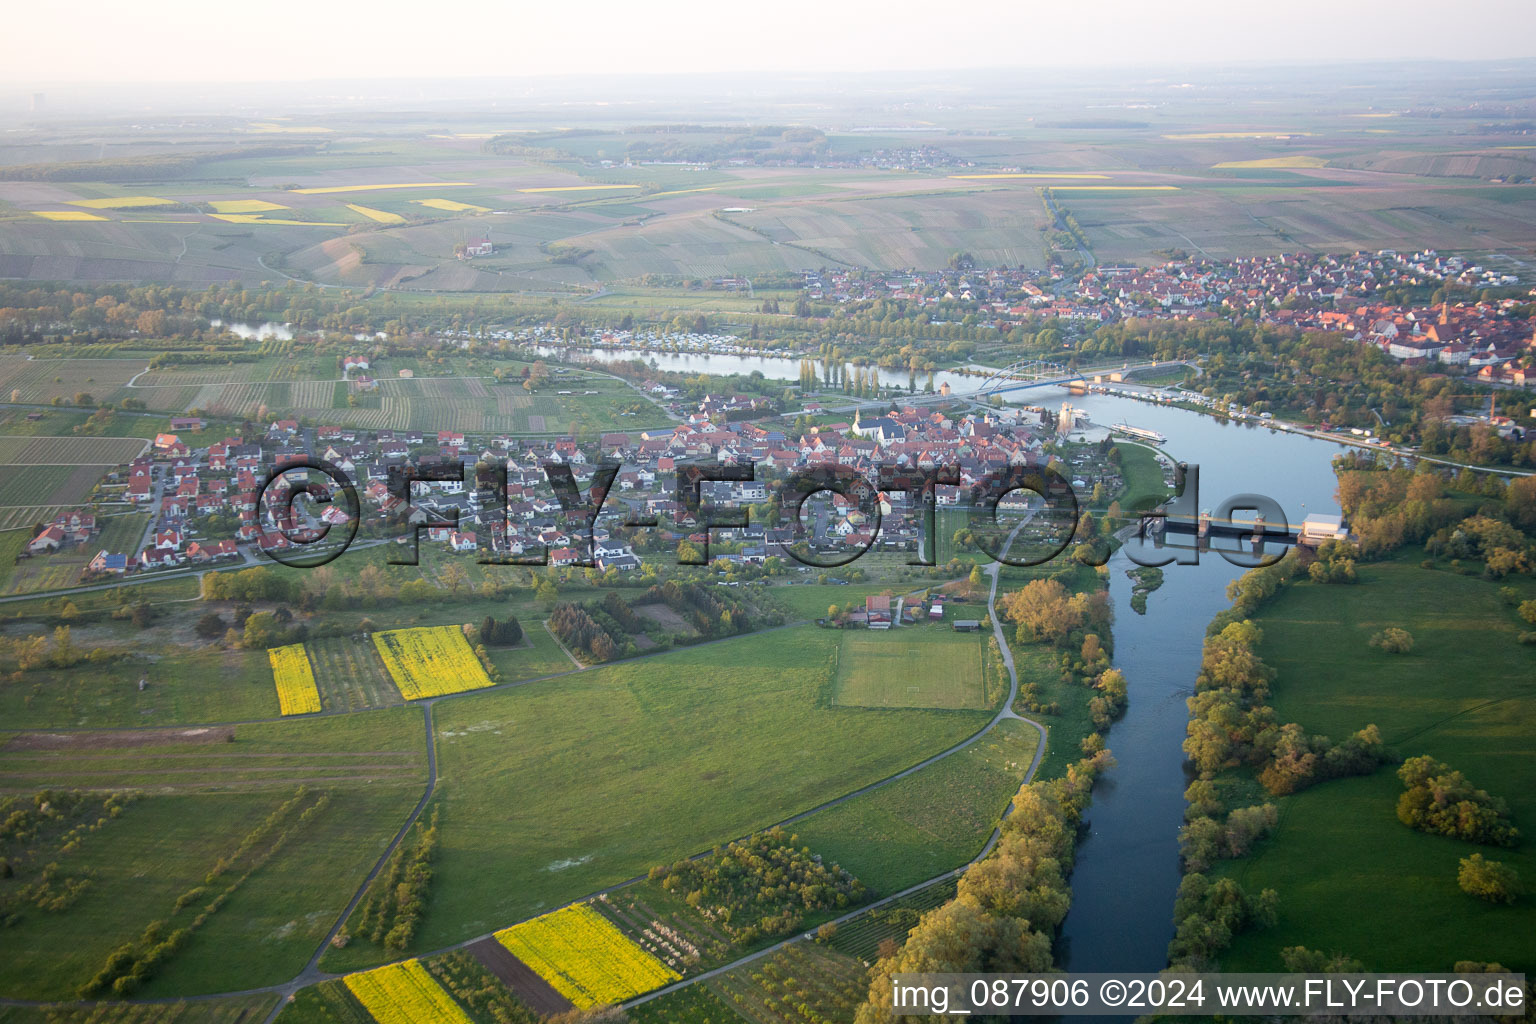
x: 930, y: 821
x: 760, y: 744
x: 231, y: 1010
x: 381, y: 216
x: 40, y: 381
x: 62, y: 421
x: 405, y: 993
x: 923, y: 666
x: 862, y: 937
x: 70, y: 451
x: 584, y: 957
x: 430, y: 661
x: 41, y: 476
x: 696, y: 1004
x: 538, y: 655
x: 1337, y: 183
x: 300, y: 873
x: 1350, y: 876
x: 182, y: 685
x: 294, y: 679
x: 31, y: 494
x: 471, y: 403
x: 350, y: 675
x: 801, y: 984
x: 329, y: 1002
x: 220, y: 758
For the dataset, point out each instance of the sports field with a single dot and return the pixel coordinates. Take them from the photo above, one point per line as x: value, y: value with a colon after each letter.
x: 910, y: 667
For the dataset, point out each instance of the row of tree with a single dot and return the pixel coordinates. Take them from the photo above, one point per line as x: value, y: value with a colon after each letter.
x: 1005, y: 914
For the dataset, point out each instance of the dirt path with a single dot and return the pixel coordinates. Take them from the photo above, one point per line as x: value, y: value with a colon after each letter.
x: 1005, y: 712
x: 313, y: 975
x: 561, y: 645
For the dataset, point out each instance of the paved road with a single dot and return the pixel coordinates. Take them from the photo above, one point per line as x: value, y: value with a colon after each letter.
x: 1004, y: 713
x: 248, y: 558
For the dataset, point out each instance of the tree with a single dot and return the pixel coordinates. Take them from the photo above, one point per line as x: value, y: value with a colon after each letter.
x: 454, y: 577
x: 261, y: 631
x: 210, y: 626
x: 1044, y: 611
x: 976, y: 578
x: 1489, y: 880
x: 1091, y: 649
x: 63, y: 647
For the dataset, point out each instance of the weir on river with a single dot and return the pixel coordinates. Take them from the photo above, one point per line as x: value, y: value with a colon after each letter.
x: 1127, y: 870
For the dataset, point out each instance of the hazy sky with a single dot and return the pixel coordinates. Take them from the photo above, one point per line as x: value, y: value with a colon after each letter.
x: 284, y: 40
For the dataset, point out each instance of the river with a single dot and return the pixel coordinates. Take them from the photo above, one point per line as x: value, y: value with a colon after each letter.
x: 1127, y: 870
x: 256, y: 332
x: 785, y: 368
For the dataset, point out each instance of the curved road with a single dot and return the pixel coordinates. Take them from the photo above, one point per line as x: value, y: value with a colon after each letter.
x: 1004, y: 713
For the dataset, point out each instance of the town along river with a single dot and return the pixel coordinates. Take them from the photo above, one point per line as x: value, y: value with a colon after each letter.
x: 1127, y: 869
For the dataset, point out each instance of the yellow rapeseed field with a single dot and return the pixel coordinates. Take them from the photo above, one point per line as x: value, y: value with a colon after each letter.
x: 376, y: 188
x: 382, y: 216
x: 450, y: 205
x: 584, y: 957
x: 244, y: 206
x: 1062, y: 175
x: 295, y: 680
x: 252, y: 218
x: 575, y: 188
x: 270, y: 128
x: 66, y: 215
x: 429, y: 661
x: 121, y: 202
x: 1213, y: 136
x: 405, y: 994
x: 1114, y: 188
x: 1276, y: 161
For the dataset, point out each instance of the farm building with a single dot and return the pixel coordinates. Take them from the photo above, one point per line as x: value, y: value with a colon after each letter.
x: 480, y: 248
x: 966, y: 625
x: 877, y: 611
x: 50, y: 539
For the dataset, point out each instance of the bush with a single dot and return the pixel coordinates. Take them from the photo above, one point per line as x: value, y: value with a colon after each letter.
x: 1528, y: 611
x: 1393, y: 640
x: 1442, y: 802
x: 1489, y: 880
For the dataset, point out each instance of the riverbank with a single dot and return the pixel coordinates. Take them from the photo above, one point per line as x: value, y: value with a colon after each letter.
x: 1351, y: 878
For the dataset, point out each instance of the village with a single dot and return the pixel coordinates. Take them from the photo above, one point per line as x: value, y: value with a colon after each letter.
x: 215, y: 504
